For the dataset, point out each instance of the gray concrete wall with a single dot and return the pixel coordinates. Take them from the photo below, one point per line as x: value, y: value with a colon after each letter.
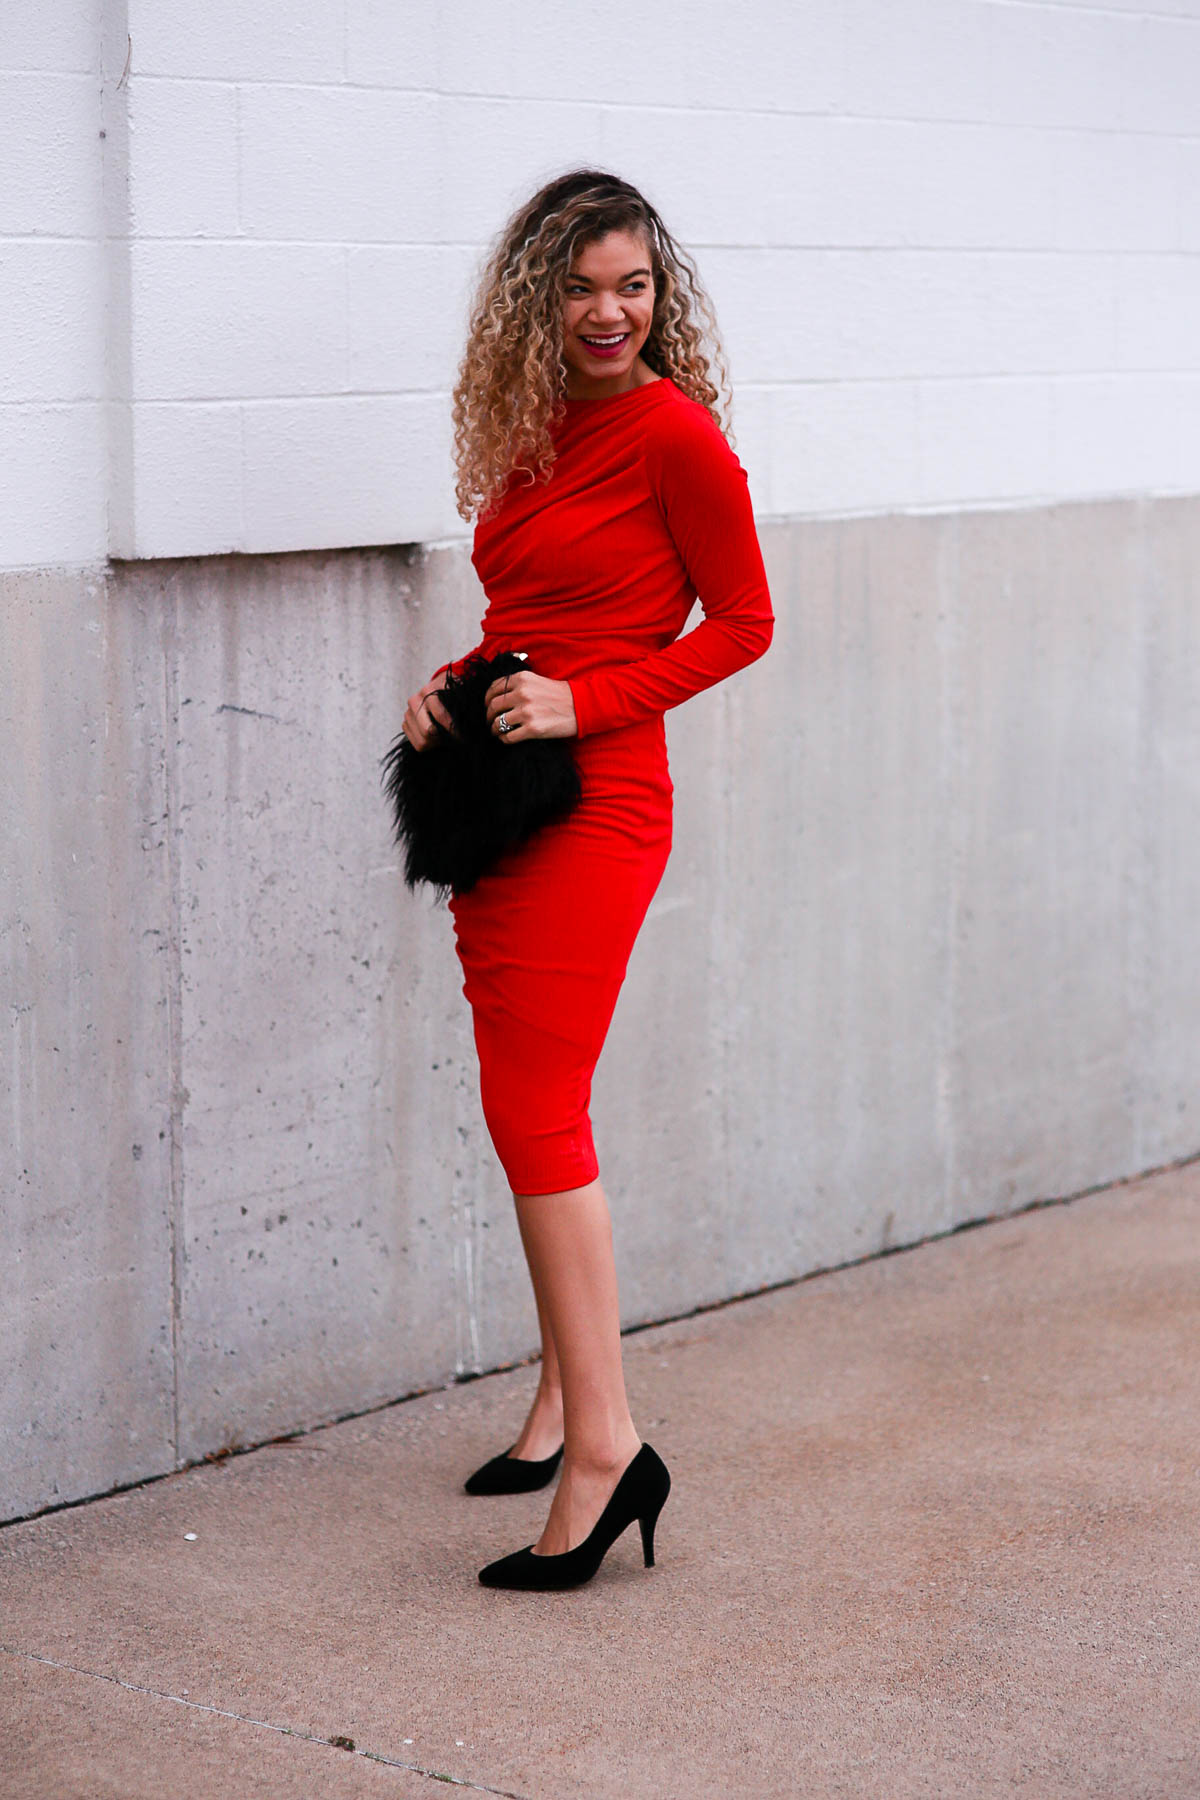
x: 924, y: 952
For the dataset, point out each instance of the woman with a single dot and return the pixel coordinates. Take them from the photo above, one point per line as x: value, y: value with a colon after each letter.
x: 607, y: 499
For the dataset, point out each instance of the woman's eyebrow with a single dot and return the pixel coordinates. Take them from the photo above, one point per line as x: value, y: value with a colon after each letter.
x: 574, y: 277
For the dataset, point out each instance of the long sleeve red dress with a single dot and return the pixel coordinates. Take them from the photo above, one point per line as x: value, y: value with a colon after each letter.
x: 593, y: 575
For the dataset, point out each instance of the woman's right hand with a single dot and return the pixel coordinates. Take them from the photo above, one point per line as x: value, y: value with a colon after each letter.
x: 418, y: 726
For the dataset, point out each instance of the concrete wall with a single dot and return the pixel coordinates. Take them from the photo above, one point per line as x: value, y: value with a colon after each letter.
x: 953, y: 244
x: 924, y: 952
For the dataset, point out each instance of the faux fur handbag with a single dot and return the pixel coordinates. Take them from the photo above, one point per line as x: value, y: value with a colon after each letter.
x: 468, y: 797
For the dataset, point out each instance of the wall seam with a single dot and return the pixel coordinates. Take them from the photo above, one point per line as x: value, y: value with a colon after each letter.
x: 176, y: 1094
x: 737, y: 1180
x: 953, y: 783
x: 1142, y: 1070
x: 116, y: 55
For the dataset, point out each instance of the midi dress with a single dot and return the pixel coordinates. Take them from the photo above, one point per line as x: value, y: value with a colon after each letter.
x: 593, y: 574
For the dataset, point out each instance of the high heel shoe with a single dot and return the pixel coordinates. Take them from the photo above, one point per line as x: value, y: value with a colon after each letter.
x: 639, y: 1494
x: 506, y: 1474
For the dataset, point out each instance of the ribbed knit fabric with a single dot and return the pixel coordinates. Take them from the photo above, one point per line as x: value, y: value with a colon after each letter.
x: 593, y: 574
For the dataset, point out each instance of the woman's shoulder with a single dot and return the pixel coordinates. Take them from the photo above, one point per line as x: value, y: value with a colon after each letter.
x: 682, y: 428
x: 682, y: 421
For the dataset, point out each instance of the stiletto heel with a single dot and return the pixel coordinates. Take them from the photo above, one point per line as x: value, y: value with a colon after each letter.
x: 639, y: 1494
x: 647, y: 1523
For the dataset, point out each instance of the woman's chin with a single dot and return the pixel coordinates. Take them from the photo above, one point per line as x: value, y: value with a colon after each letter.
x: 604, y: 374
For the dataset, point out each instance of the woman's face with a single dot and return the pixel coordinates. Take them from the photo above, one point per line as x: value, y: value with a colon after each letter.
x: 607, y: 312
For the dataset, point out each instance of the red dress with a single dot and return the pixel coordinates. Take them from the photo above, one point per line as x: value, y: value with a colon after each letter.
x: 593, y: 575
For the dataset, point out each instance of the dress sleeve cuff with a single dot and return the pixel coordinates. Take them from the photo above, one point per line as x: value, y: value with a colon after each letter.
x: 580, y: 702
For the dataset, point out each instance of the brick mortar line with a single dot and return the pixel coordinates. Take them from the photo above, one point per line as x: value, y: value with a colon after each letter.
x: 833, y: 111
x: 328, y: 398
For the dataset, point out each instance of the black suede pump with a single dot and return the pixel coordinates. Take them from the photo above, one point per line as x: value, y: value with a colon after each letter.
x: 505, y: 1474
x: 639, y: 1494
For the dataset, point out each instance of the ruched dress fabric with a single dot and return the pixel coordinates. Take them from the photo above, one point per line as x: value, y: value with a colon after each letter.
x: 593, y: 575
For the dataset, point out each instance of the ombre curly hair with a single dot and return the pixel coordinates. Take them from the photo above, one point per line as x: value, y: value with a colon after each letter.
x: 511, y: 384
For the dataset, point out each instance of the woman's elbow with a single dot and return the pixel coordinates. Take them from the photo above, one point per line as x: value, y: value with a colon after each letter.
x: 758, y: 638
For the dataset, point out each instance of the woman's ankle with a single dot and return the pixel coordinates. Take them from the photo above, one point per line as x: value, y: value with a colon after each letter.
x: 601, y: 1455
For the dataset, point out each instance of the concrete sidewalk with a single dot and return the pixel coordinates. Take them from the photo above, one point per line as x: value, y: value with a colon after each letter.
x: 934, y: 1530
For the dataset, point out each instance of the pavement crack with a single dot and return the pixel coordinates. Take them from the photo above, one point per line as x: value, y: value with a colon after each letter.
x: 341, y: 1744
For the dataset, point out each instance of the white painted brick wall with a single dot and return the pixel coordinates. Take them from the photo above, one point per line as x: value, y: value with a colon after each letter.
x: 53, y: 452
x: 954, y: 246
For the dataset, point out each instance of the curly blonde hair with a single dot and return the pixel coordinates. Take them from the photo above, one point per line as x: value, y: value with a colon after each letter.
x: 511, y: 384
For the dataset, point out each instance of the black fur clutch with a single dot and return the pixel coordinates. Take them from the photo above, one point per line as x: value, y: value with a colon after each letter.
x: 468, y: 797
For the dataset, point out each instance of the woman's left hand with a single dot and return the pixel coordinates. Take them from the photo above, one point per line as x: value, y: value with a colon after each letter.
x: 534, y: 705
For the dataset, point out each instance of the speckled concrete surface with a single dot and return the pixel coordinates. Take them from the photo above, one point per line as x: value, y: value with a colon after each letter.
x: 934, y: 1531
x: 66, y: 1733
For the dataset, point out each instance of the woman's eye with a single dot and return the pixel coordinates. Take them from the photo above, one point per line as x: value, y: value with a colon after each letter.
x: 632, y: 287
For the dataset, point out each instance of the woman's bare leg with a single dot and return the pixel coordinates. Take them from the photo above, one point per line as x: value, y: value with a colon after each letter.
x: 542, y: 1432
x: 569, y: 1248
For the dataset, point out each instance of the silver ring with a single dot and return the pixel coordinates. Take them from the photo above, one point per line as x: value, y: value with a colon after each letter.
x: 502, y: 723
